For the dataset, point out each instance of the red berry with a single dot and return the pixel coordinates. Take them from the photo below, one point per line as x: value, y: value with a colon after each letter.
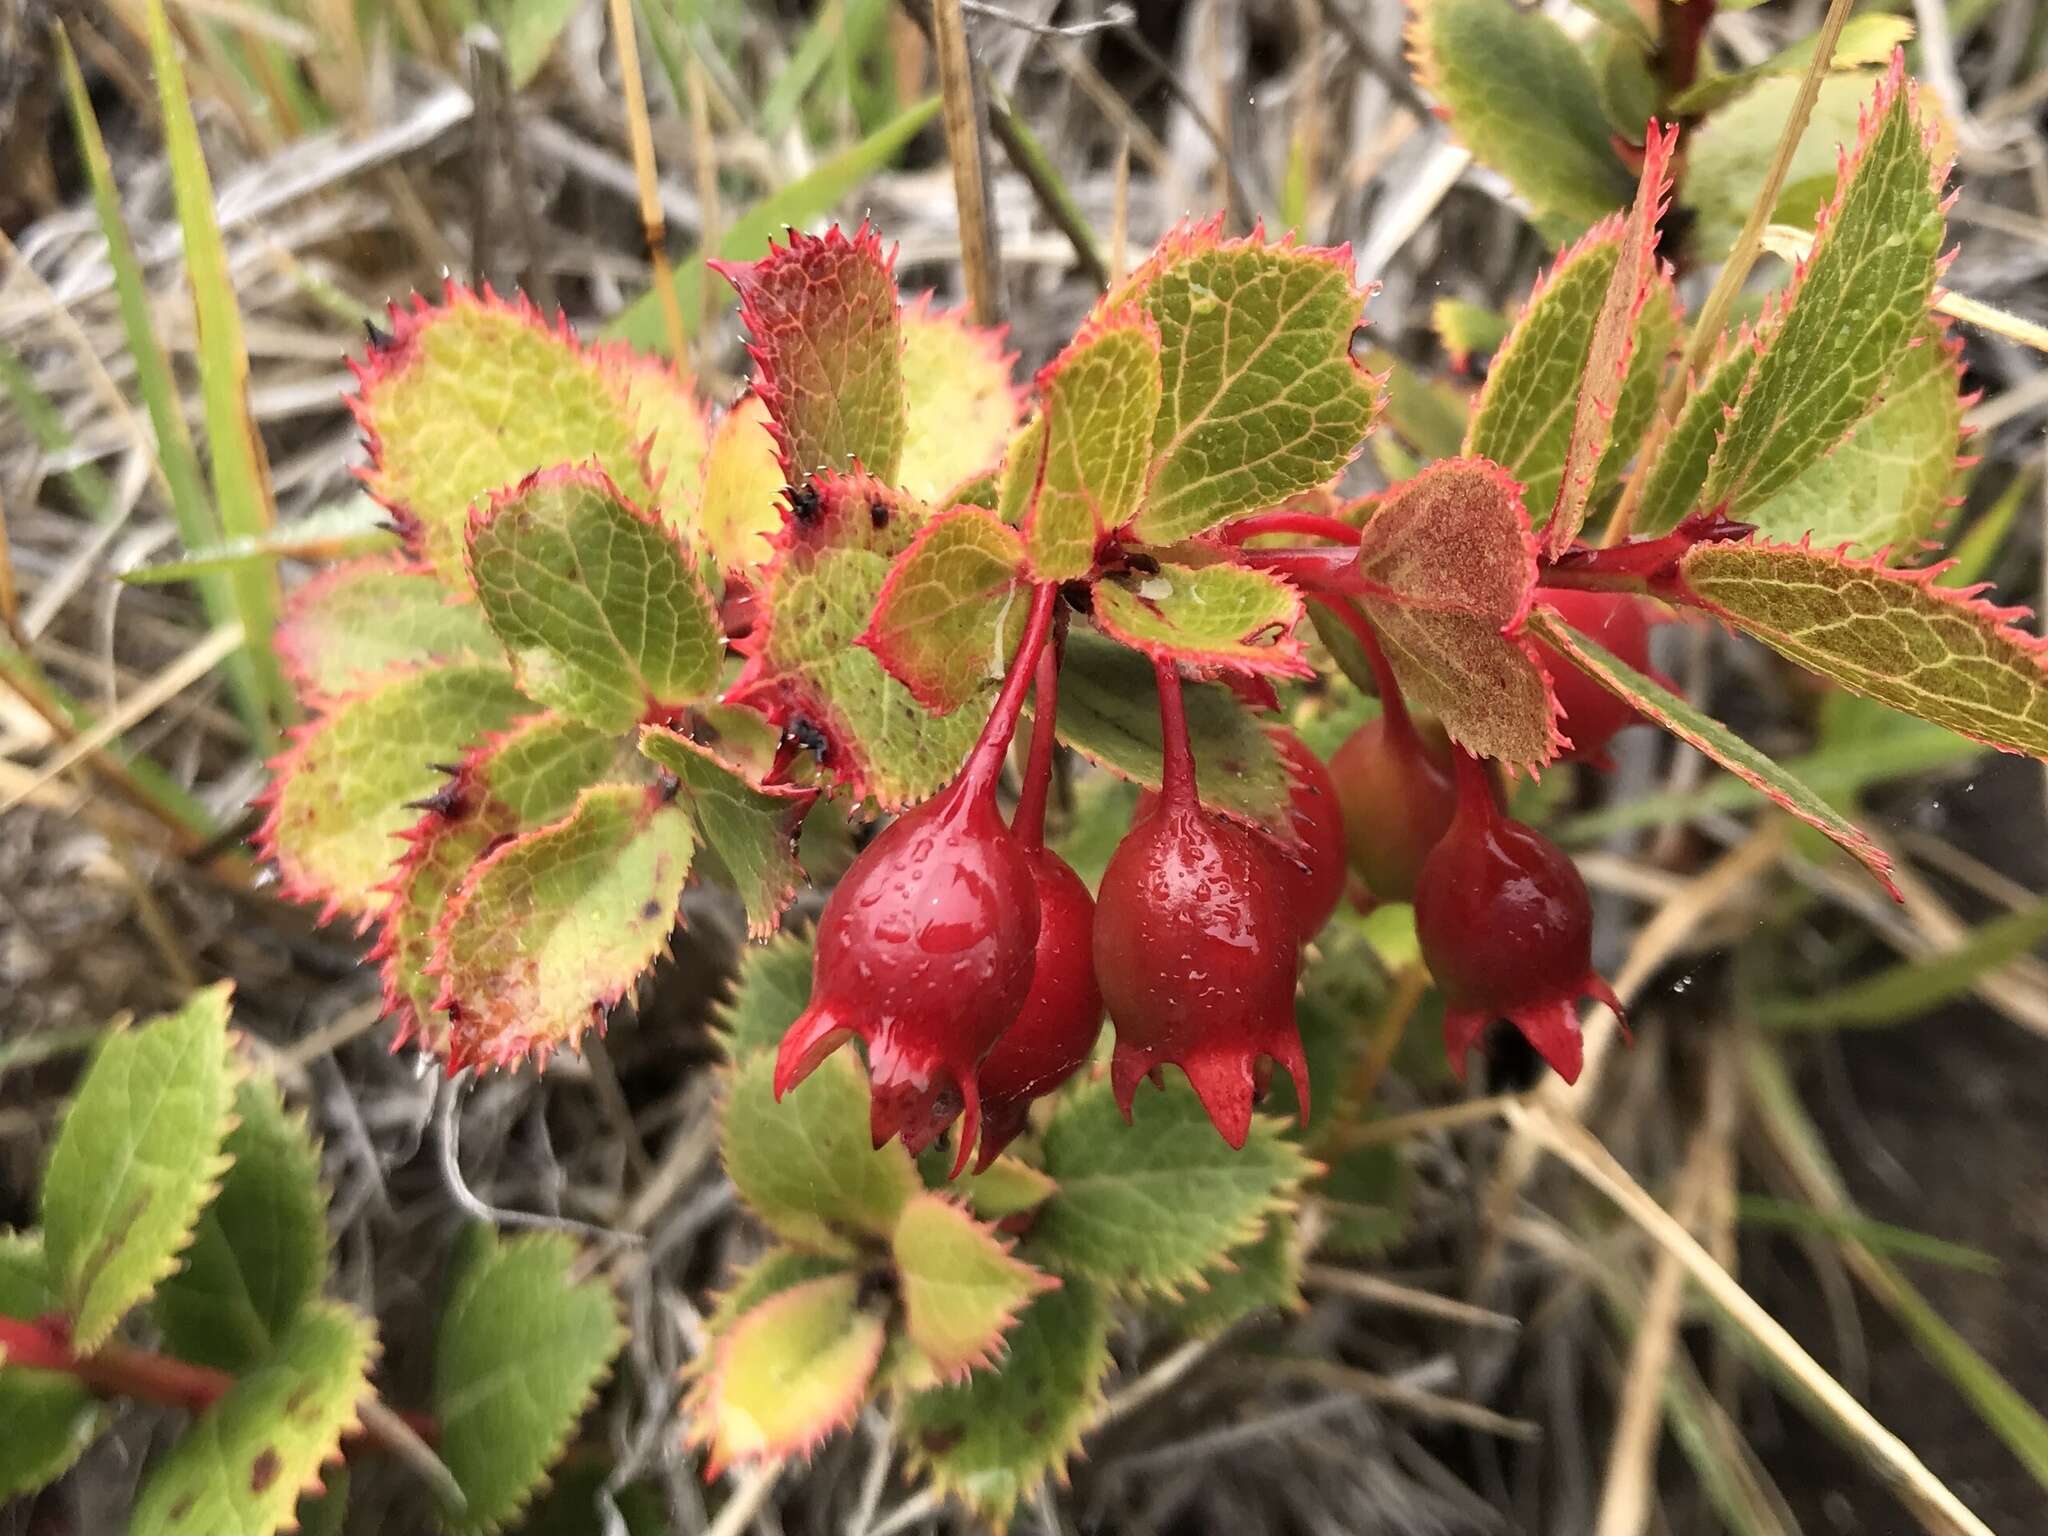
x: 1196, y: 948
x: 925, y: 952
x: 1310, y: 864
x: 1589, y: 714
x: 1507, y: 930
x: 926, y: 948
x: 1397, y: 800
x: 1061, y: 1016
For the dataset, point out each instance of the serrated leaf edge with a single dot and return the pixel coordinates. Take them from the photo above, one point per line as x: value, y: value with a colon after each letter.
x: 1037, y: 1282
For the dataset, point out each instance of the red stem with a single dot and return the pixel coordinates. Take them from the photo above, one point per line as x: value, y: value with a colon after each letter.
x: 1682, y: 33
x: 1311, y: 524
x: 1478, y: 790
x: 985, y: 762
x: 1313, y: 568
x: 1029, y: 821
x: 1177, y: 774
x: 115, y: 1370
x: 1392, y: 706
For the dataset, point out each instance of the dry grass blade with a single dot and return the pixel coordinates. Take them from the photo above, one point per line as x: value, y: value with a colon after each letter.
x: 652, y: 221
x: 1389, y: 1393
x: 138, y: 706
x: 962, y: 118
x: 1361, y: 1286
x: 1938, y: 1508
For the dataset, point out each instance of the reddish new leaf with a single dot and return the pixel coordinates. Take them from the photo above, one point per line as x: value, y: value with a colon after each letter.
x: 828, y: 350
x: 1635, y: 279
x: 1447, y: 566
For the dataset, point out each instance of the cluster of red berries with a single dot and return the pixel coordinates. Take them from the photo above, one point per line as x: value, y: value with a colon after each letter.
x: 974, y: 967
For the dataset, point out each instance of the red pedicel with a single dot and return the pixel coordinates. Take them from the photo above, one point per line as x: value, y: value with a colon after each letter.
x: 1195, y: 947
x: 1062, y: 1014
x: 1507, y: 930
x: 1588, y: 713
x: 925, y: 949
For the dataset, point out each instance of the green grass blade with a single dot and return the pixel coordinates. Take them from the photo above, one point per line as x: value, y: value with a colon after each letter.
x: 1908, y: 990
x: 241, y: 477
x: 339, y: 532
x: 803, y: 200
x: 1878, y: 1236
x: 2008, y: 1415
x: 51, y: 435
x: 191, y: 507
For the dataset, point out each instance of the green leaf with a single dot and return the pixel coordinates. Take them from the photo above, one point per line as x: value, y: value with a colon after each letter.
x: 1367, y: 1195
x: 1888, y: 485
x: 1638, y: 283
x: 339, y: 797
x: 960, y: 404
x: 1083, y: 475
x: 555, y: 926
x: 1896, y: 636
x: 527, y: 31
x: 1449, y: 566
x: 1914, y: 988
x: 1148, y: 1206
x: 1007, y: 1187
x: 1429, y: 415
x: 1851, y: 312
x: 988, y: 1440
x: 751, y: 828
x: 1262, y: 1276
x: 135, y: 1162
x: 1864, y: 40
x: 771, y: 989
x: 961, y: 1285
x: 1525, y: 415
x: 1680, y: 470
x: 741, y: 510
x: 514, y: 782
x: 798, y: 203
x: 244, y: 1462
x: 1469, y: 330
x: 49, y: 1415
x: 521, y: 1350
x: 816, y: 600
x: 595, y: 601
x: 949, y: 617
x: 1710, y: 737
x: 354, y: 625
x: 1109, y: 713
x: 1523, y: 99
x: 472, y: 395
x: 776, y: 1271
x: 1727, y: 156
x: 1018, y: 482
x: 259, y: 1254
x: 828, y: 350
x: 788, y: 1374
x: 669, y: 418
x: 1262, y: 398
x: 1208, y: 617
x: 807, y: 1167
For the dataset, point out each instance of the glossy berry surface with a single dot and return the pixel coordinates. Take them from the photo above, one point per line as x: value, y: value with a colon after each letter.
x: 1506, y: 928
x: 1397, y: 800
x: 1590, y: 715
x: 1195, y: 950
x: 925, y: 952
x: 1055, y: 1029
x: 1310, y: 862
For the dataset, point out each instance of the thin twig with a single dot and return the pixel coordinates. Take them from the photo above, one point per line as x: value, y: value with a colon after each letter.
x: 1390, y: 1393
x: 1406, y: 1298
